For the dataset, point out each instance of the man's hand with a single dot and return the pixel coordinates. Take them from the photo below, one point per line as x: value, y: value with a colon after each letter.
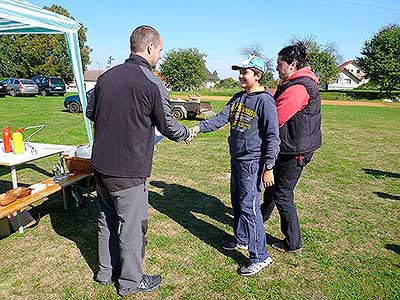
x: 268, y: 178
x: 193, y: 133
x: 195, y: 130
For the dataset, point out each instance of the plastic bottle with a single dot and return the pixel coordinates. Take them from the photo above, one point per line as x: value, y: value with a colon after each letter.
x: 6, y: 135
x: 18, y: 142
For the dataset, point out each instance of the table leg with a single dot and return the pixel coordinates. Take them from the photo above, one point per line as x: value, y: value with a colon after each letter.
x: 64, y: 192
x: 15, y: 185
x: 14, y: 177
x: 19, y: 222
x: 88, y: 194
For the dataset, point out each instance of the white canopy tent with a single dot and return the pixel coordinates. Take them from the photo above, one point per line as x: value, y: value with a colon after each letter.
x: 21, y: 17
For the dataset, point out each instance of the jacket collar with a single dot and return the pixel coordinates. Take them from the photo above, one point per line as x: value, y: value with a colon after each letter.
x: 257, y: 92
x: 138, y: 60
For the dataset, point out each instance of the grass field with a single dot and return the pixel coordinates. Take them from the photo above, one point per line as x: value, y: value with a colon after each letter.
x: 348, y: 202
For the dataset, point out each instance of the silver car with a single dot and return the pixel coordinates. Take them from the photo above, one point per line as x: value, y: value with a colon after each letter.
x: 18, y: 86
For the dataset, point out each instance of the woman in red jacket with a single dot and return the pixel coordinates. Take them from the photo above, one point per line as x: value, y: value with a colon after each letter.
x: 299, y: 116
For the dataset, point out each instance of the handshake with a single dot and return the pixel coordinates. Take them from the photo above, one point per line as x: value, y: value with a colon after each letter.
x: 193, y: 133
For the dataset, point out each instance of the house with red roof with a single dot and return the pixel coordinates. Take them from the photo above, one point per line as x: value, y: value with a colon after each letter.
x: 350, y: 77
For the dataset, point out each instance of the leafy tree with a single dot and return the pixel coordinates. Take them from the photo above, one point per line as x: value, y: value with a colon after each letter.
x: 381, y: 58
x: 40, y: 54
x: 184, y: 69
x: 323, y: 59
x: 257, y: 50
x: 228, y: 83
x: 109, y: 61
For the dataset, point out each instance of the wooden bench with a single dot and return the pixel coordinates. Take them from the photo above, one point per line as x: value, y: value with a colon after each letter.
x: 51, y: 188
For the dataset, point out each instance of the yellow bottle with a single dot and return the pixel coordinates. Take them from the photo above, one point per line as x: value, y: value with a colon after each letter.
x: 18, y: 142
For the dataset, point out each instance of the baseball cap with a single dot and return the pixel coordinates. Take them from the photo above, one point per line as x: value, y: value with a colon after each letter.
x: 251, y: 62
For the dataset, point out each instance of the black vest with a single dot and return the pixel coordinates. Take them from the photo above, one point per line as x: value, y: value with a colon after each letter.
x: 302, y: 133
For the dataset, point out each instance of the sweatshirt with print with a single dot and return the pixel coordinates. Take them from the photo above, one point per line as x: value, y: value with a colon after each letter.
x: 254, y: 131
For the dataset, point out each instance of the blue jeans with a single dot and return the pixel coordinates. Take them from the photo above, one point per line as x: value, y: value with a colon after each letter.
x: 248, y: 224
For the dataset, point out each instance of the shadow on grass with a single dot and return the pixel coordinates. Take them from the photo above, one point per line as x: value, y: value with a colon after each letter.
x: 181, y: 202
x: 393, y: 247
x: 74, y: 224
x: 387, y: 196
x: 271, y: 239
x: 7, y: 185
x: 378, y: 173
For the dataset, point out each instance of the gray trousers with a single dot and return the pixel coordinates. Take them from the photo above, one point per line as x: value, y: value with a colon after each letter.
x: 122, y: 226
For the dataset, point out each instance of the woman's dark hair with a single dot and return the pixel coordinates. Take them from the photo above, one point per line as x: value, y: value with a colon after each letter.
x: 296, y: 52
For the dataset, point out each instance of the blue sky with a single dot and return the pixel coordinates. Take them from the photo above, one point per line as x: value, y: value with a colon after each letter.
x: 221, y: 28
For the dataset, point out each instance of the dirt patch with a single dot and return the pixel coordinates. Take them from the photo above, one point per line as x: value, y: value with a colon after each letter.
x: 354, y: 103
x: 324, y: 102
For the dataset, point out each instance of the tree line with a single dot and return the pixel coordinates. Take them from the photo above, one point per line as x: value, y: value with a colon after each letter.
x: 379, y: 58
x: 27, y: 55
x: 185, y: 69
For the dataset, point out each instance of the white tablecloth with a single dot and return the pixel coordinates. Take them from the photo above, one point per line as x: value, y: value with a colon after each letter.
x: 32, y: 151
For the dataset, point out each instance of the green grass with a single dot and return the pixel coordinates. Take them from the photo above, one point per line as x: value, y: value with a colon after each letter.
x: 348, y: 202
x: 356, y: 95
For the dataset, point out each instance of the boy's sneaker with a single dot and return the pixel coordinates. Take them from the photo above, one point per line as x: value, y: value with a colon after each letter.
x: 232, y: 245
x: 147, y: 284
x: 280, y: 246
x: 254, y: 268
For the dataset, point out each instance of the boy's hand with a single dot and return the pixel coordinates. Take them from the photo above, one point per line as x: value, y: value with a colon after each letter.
x: 268, y: 178
x: 193, y: 133
x: 195, y: 130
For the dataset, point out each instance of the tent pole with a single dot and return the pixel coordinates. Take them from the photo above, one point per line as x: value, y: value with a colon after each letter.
x: 75, y: 57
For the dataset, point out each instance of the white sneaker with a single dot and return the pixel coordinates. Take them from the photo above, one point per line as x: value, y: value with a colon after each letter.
x: 254, y: 268
x: 242, y: 247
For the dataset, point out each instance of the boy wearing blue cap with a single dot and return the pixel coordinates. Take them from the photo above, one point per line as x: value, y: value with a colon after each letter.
x: 254, y: 145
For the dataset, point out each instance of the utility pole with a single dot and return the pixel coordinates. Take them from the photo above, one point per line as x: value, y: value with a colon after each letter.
x: 98, y: 67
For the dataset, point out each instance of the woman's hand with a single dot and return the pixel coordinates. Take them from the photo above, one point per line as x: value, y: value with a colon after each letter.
x: 268, y: 178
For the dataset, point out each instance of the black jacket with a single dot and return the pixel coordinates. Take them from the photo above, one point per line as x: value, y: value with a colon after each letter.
x: 302, y: 133
x: 126, y: 105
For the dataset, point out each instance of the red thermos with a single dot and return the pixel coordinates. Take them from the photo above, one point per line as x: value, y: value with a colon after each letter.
x: 7, y: 139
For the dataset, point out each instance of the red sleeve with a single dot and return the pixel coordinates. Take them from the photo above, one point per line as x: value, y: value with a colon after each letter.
x: 293, y: 100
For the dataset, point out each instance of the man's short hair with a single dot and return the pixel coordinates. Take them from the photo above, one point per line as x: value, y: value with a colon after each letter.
x: 143, y: 36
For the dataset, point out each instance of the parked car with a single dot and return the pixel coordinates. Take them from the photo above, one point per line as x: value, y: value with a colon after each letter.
x: 73, y: 103
x: 3, y: 88
x: 50, y: 85
x: 21, y: 86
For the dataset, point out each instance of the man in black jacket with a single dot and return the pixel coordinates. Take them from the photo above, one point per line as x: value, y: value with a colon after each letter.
x: 126, y: 106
